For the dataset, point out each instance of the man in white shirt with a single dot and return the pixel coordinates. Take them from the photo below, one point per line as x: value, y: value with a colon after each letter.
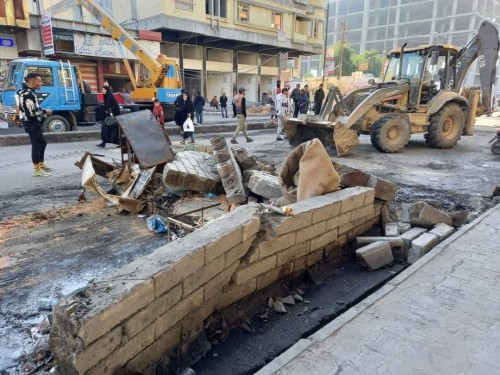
x: 282, y: 108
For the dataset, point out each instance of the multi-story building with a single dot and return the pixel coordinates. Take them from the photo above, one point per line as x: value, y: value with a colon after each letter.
x: 382, y: 25
x: 218, y: 44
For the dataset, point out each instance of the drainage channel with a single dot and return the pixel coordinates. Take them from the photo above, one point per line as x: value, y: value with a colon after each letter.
x: 326, y: 296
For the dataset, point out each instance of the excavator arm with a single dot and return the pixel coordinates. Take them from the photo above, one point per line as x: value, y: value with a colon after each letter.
x: 483, y: 47
x: 157, y: 70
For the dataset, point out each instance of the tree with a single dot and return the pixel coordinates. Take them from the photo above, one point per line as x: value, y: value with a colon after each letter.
x: 348, y: 66
x: 372, y: 58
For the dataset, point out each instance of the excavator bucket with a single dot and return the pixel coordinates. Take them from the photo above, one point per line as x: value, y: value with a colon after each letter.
x: 345, y: 139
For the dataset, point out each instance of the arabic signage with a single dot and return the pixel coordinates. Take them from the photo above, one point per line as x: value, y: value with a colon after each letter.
x: 47, y: 35
x: 14, y: 13
x: 329, y: 62
x: 100, y: 46
x: 8, y: 46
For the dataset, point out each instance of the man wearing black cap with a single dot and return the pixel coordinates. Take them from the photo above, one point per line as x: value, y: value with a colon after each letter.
x: 241, y: 113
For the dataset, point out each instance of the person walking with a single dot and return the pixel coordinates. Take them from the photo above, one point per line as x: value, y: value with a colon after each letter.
x: 184, y: 108
x: 199, y: 103
x: 241, y: 112
x: 282, y: 110
x: 109, y: 133
x: 223, y: 105
x: 31, y: 116
x: 306, y: 88
x: 158, y: 113
x: 303, y: 102
x: 319, y: 96
x: 188, y: 131
x: 234, y: 105
x: 296, y: 98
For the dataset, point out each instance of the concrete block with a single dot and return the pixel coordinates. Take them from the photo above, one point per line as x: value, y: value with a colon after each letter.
x: 338, y: 221
x: 191, y: 170
x: 423, y: 215
x: 399, y: 246
x: 323, y: 240
x: 403, y: 227
x: 281, y: 225
x: 391, y: 229
x: 263, y: 184
x: 384, y: 189
x: 214, y: 287
x: 270, y: 247
x: 239, y: 251
x: 375, y: 255
x: 443, y: 231
x: 209, y: 271
x: 354, y: 178
x: 413, y: 233
x: 490, y: 190
x: 178, y: 312
x: 98, y: 350
x: 314, y: 257
x: 233, y: 184
x: 310, y: 232
x: 458, y: 218
x: 362, y: 212
x: 388, y: 214
x: 292, y: 253
x: 274, y: 275
x: 247, y: 272
x: 424, y: 243
x: 353, y: 202
x: 327, y: 212
x: 244, y: 159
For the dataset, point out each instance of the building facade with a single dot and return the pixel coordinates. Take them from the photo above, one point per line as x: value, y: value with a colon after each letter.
x: 382, y: 25
x: 219, y: 44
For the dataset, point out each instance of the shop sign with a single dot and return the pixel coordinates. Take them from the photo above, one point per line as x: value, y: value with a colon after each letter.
x: 99, y: 46
x: 47, y: 35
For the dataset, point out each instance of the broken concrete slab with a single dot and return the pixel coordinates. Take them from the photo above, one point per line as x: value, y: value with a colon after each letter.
x: 424, y: 243
x: 384, y: 189
x: 403, y: 227
x: 388, y: 214
x: 490, y: 191
x: 229, y: 170
x: 289, y: 300
x: 245, y: 160
x: 458, y: 218
x: 191, y: 170
x: 398, y: 245
x: 424, y: 215
x: 391, y: 229
x: 413, y: 233
x: 279, y: 307
x: 375, y: 255
x: 176, y: 148
x: 263, y: 184
x: 443, y: 231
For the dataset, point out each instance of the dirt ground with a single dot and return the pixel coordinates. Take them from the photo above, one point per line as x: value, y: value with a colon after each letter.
x: 49, y: 254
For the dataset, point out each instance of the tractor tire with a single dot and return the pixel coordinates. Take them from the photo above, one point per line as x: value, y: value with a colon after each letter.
x: 55, y: 124
x: 446, y: 127
x: 495, y: 148
x: 390, y: 133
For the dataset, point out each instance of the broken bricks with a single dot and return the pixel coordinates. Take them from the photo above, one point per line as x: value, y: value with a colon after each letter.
x: 424, y: 215
x: 263, y: 184
x: 384, y: 190
x: 375, y: 255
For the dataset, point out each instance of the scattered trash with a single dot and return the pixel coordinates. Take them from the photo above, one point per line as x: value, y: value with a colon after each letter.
x: 210, y: 195
x: 156, y: 224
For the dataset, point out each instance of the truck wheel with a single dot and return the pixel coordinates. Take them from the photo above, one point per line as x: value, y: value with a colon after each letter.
x: 390, y: 133
x: 495, y: 148
x: 55, y: 124
x: 446, y: 127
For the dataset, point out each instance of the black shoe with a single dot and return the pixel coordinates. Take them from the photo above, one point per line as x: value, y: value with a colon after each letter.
x: 279, y: 139
x: 101, y: 145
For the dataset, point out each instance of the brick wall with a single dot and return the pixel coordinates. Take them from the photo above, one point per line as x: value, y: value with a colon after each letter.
x: 158, y: 302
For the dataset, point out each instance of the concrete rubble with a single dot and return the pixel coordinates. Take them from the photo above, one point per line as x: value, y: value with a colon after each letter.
x: 424, y: 215
x: 263, y: 184
x: 375, y: 255
x: 384, y: 190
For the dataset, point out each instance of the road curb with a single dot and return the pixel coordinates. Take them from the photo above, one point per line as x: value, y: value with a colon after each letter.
x: 302, y: 345
x: 79, y: 136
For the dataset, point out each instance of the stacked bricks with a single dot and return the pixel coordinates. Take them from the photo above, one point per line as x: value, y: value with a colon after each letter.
x: 135, y: 315
x: 229, y: 171
x: 192, y: 170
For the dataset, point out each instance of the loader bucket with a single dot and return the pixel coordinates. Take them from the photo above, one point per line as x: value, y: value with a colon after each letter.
x: 345, y: 139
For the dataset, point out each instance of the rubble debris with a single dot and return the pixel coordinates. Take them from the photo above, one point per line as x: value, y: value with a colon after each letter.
x: 388, y: 214
x: 263, y: 184
x: 289, y: 300
x: 391, y: 229
x: 229, y: 171
x: 279, y: 307
x: 244, y: 326
x: 245, y: 160
x: 157, y: 224
x: 490, y: 191
x: 198, y: 147
x: 403, y: 227
x: 384, y: 190
x: 394, y: 242
x: 298, y: 298
x: 299, y: 177
x: 191, y: 170
x: 443, y: 231
x: 375, y: 255
x: 421, y: 246
x: 266, y: 167
x: 423, y: 215
x: 413, y: 233
x: 458, y: 218
x: 270, y: 302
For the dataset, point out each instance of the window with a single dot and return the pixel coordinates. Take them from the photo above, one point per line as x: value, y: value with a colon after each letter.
x: 243, y: 14
x: 184, y: 4
x: 216, y: 8
x: 65, y: 77
x: 277, y: 21
x: 45, y: 74
x: 313, y: 29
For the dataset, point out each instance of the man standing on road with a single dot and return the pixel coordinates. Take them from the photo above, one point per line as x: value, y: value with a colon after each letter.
x: 282, y: 104
x: 319, y: 96
x: 31, y: 116
x: 223, y: 104
x: 241, y: 112
x: 296, y: 97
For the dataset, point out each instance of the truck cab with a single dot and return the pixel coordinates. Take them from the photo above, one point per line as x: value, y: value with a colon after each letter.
x: 59, y: 92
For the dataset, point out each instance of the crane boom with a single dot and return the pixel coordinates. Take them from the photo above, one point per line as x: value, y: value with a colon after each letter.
x: 157, y: 70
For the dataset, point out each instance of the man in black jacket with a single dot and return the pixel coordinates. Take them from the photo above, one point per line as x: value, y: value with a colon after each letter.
x: 295, y: 96
x: 32, y: 116
x: 319, y: 95
x: 223, y: 104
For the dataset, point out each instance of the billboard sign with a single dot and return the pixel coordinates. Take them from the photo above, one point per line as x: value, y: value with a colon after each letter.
x: 47, y: 35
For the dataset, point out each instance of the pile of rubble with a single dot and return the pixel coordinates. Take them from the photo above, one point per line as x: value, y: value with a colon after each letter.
x: 264, y: 110
x: 408, y: 236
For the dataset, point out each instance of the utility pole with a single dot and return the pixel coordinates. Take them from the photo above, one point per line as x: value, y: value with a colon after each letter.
x: 326, y: 41
x: 40, y: 27
x: 342, y: 42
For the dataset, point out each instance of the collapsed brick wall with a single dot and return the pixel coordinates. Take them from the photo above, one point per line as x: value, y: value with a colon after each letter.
x: 160, y: 301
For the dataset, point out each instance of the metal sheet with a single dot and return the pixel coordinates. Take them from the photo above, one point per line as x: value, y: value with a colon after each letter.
x: 146, y: 139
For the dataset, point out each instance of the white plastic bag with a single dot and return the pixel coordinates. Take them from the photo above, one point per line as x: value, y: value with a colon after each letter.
x: 188, y: 125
